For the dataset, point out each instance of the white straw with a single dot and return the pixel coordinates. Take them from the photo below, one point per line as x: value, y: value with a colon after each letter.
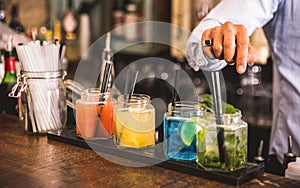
x: 37, y: 57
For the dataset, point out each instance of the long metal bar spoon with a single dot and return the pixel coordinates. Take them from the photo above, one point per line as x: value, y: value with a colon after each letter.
x: 217, y: 101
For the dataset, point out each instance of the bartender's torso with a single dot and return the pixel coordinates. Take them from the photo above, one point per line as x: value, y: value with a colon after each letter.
x: 283, y: 33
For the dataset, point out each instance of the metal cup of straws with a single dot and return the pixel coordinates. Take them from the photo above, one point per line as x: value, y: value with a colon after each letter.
x: 42, y: 97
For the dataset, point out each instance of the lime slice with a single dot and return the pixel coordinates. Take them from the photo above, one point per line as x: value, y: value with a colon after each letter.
x: 188, y: 132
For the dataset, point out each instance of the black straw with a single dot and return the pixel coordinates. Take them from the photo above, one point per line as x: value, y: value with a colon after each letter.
x: 107, y: 72
x: 106, y: 77
x: 217, y: 99
x: 104, y: 85
x: 174, y: 96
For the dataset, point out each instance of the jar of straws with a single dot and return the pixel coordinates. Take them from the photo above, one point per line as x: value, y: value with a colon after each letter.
x: 40, y: 86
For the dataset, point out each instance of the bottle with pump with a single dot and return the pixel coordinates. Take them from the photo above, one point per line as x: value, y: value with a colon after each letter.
x: 289, y: 156
x: 8, y: 105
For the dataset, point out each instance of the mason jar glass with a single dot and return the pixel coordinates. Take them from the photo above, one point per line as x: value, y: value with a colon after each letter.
x: 234, y: 137
x: 43, y: 101
x: 134, y: 122
x: 95, y: 114
x: 180, y: 124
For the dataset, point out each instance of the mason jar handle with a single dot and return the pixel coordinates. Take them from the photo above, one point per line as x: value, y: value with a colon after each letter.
x: 21, y: 83
x: 64, y: 74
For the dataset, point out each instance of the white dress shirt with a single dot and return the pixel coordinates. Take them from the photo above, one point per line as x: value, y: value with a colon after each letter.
x: 280, y: 20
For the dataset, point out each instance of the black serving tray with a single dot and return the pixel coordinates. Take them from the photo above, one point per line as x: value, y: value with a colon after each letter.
x: 154, y: 155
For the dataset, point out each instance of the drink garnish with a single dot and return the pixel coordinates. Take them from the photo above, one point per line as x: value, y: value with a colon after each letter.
x: 208, y: 104
x: 188, y: 132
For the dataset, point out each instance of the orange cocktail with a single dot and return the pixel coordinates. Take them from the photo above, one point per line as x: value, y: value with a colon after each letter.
x: 95, y: 115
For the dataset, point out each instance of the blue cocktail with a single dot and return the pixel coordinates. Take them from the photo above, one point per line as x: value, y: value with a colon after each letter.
x: 180, y: 124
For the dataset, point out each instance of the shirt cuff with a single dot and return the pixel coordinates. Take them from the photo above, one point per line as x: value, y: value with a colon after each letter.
x: 194, y: 53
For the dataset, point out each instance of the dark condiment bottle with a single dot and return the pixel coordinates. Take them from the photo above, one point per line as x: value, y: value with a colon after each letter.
x: 15, y: 21
x: 8, y: 105
x: 289, y: 156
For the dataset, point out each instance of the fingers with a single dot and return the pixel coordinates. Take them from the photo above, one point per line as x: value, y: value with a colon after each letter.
x: 217, y: 37
x: 231, y: 43
x: 208, y: 51
x: 241, y: 49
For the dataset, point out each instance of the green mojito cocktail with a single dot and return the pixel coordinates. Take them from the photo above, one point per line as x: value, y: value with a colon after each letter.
x: 235, y: 141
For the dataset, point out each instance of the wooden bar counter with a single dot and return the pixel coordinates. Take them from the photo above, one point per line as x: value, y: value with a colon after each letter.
x: 34, y: 161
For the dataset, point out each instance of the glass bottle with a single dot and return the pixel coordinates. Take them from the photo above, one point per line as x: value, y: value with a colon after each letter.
x: 180, y: 124
x: 70, y: 21
x: 84, y: 28
x: 8, y: 105
x: 94, y: 114
x: 70, y: 27
x: 2, y: 62
x: 118, y: 19
x: 15, y: 21
x: 130, y: 19
x: 2, y: 11
x: 134, y: 122
x: 2, y: 43
x: 235, y: 139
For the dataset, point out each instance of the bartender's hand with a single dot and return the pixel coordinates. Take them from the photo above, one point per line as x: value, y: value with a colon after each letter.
x: 231, y: 43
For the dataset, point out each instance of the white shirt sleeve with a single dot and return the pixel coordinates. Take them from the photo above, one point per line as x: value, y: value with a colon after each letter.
x: 251, y: 13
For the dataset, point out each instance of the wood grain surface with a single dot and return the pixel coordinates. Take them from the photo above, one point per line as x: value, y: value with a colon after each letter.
x: 34, y: 161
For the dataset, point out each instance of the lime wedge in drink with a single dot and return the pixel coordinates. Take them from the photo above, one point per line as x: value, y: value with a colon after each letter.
x: 188, y: 132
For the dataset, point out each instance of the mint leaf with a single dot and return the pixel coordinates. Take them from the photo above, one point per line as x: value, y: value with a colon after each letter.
x: 208, y: 104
